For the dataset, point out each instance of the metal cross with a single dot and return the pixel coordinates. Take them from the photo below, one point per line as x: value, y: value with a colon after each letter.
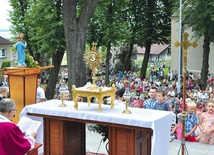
x: 185, y: 44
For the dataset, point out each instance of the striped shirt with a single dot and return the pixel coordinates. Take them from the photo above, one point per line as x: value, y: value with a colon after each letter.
x: 149, y: 104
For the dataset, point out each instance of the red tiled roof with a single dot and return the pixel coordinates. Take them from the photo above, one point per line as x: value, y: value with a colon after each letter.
x: 155, y: 49
x: 4, y: 41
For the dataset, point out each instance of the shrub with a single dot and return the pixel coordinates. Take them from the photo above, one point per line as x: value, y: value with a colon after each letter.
x: 30, y: 61
x: 5, y: 64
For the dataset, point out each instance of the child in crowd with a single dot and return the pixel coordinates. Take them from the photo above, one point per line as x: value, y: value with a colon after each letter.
x: 67, y: 96
x: 174, y: 125
x: 120, y: 99
x: 161, y: 103
x: 199, y: 106
x: 176, y: 105
x: 3, y: 92
x: 191, y: 122
x: 207, y: 124
x: 197, y: 131
x: 137, y: 103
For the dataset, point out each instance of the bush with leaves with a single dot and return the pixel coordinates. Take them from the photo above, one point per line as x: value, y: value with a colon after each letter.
x: 101, y: 129
x: 30, y: 61
x: 5, y: 64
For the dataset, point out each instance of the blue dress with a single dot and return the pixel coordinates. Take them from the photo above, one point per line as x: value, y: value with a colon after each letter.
x: 20, y: 46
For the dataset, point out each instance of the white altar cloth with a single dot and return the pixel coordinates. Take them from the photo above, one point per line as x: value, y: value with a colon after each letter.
x: 158, y: 121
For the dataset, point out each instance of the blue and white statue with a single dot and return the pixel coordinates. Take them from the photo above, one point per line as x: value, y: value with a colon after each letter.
x: 20, y: 46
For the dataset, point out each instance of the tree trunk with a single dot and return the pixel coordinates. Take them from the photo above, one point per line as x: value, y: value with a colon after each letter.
x: 108, y: 57
x: 146, y: 59
x: 75, y: 36
x: 52, y: 80
x: 205, y: 62
x: 127, y: 63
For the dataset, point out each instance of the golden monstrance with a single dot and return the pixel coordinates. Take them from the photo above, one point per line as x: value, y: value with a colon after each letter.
x: 92, y: 60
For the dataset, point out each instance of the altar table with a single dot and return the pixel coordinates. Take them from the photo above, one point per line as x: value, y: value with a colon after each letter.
x: 129, y: 134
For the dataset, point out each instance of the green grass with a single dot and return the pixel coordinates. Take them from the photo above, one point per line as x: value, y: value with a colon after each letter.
x: 166, y: 70
x: 157, y: 64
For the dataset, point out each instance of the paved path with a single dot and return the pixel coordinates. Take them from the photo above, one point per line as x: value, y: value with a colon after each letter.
x: 192, y: 148
x: 93, y: 145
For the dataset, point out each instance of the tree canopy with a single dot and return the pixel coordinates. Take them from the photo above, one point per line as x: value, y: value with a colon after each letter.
x: 48, y: 25
x: 42, y: 25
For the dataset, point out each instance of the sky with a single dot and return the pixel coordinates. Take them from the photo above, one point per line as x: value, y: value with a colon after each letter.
x: 4, y: 14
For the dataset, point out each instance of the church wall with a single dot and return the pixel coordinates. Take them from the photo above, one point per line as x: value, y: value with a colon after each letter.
x: 195, y: 55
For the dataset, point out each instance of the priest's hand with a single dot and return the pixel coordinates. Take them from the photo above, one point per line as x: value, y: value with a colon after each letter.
x: 34, y: 134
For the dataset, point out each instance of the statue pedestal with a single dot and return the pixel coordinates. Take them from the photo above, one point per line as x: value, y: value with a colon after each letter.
x: 23, y: 85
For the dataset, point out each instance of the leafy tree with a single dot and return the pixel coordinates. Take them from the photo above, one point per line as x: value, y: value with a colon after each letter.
x: 48, y: 35
x: 199, y: 16
x: 45, y: 35
x: 133, y: 14
x: 106, y: 27
x: 156, y: 26
x: 17, y: 19
x: 76, y: 17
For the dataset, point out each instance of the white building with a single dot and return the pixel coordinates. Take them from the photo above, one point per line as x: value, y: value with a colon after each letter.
x: 195, y: 55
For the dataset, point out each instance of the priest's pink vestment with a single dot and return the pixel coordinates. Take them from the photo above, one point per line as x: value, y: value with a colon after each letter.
x: 12, y: 141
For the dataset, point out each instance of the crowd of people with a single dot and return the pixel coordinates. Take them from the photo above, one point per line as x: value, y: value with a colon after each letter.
x: 161, y: 94
x: 153, y: 93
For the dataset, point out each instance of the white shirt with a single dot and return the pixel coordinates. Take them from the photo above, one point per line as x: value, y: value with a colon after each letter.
x: 203, y: 96
x: 120, y: 103
x: 39, y: 94
x: 171, y: 93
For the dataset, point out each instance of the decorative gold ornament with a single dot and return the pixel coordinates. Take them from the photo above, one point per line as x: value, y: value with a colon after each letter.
x: 62, y: 104
x: 98, y: 93
x: 92, y: 60
x: 19, y: 35
x: 127, y: 111
x: 127, y: 96
x: 62, y: 90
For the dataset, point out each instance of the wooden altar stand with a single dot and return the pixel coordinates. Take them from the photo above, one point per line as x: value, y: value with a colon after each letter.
x: 22, y: 85
x: 64, y: 136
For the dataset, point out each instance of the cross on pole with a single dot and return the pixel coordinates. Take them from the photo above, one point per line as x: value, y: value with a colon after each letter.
x: 185, y: 44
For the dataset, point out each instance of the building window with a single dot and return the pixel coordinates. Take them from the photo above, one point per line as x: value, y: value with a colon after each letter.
x: 135, y: 56
x: 3, y: 53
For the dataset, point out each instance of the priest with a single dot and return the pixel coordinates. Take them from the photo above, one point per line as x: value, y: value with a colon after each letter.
x: 12, y: 140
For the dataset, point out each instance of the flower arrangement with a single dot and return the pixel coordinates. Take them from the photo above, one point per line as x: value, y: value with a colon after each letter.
x: 30, y: 61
